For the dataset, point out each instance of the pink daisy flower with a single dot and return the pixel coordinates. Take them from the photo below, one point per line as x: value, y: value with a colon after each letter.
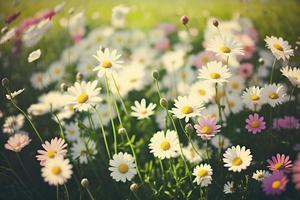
x: 17, y: 142
x: 274, y: 184
x: 55, y: 148
x: 280, y: 163
x: 207, y: 128
x: 246, y: 70
x: 296, y: 173
x: 287, y: 122
x: 255, y: 123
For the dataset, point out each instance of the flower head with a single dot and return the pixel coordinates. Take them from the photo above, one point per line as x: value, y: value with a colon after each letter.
x: 207, y: 128
x: 274, y: 184
x: 296, y: 173
x: 255, y: 123
x: 293, y: 74
x: 280, y: 163
x: 260, y: 175
x: 215, y: 72
x: 229, y: 187
x: 203, y: 173
x: 141, y: 111
x: 13, y: 123
x: 280, y: 48
x: 273, y: 94
x: 252, y: 98
x: 237, y: 158
x: 17, y: 142
x: 122, y: 167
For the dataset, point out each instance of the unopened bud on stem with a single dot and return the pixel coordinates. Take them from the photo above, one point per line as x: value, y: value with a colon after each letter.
x: 163, y: 102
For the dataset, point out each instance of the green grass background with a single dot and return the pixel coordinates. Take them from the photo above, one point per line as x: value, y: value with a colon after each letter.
x: 271, y: 17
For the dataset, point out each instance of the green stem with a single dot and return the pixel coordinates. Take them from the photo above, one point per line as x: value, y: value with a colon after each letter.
x: 272, y: 73
x: 89, y: 192
x: 57, y: 195
x: 111, y: 119
x: 59, y: 123
x: 217, y: 98
x: 118, y: 91
x: 67, y: 192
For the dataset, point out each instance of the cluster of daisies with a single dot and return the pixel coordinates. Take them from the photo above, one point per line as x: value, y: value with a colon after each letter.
x: 197, y: 95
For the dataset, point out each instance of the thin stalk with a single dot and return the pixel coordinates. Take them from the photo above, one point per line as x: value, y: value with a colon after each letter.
x: 67, y: 192
x: 111, y: 119
x: 59, y: 123
x: 218, y: 103
x: 22, y: 165
x: 118, y: 91
x: 89, y: 192
x: 162, y: 169
x: 272, y: 73
x: 57, y: 193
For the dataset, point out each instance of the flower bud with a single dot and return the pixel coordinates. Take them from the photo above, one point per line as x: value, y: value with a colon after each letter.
x: 184, y: 19
x: 261, y: 61
x: 63, y: 87
x: 5, y: 82
x: 216, y: 23
x: 84, y: 182
x: 155, y: 75
x: 79, y: 76
x: 163, y: 102
x: 122, y: 131
x: 189, y: 128
x: 134, y: 187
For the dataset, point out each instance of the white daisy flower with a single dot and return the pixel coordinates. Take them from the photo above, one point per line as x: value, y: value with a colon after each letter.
x: 192, y: 153
x: 40, y: 80
x: 233, y: 103
x: 225, y: 46
x: 252, y: 98
x: 259, y: 175
x: 118, y: 17
x: 141, y: 111
x: 203, y: 173
x: 72, y: 131
x: 105, y: 113
x: 273, y: 94
x: 13, y: 124
x: 57, y: 171
x: 84, y: 95
x: 14, y: 94
x: 109, y: 61
x: 173, y: 60
x: 164, y: 145
x: 122, y: 167
x: 202, y: 91
x: 215, y: 72
x: 229, y: 187
x: 236, y: 84
x: 280, y: 48
x: 83, y: 150
x: 187, y: 107
x: 56, y: 71
x: 220, y: 142
x: 293, y: 74
x: 237, y: 158
x: 212, y: 111
x: 34, y: 55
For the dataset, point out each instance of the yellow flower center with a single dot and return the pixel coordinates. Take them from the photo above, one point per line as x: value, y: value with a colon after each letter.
x: 260, y: 176
x: 82, y: 98
x: 133, y: 80
x: 278, y: 47
x: 254, y: 97
x: 143, y: 112
x: 202, y: 172
x: 123, y: 168
x: 205, y: 59
x: 214, y: 75
x: 206, y: 130
x: 225, y: 49
x: 106, y: 64
x: 56, y: 170
x: 273, y: 95
x: 51, y: 153
x: 235, y: 85
x: 231, y: 104
x: 187, y: 109
x: 278, y: 166
x: 165, y: 145
x: 276, y: 184
x: 201, y: 92
x: 237, y: 161
x: 255, y: 124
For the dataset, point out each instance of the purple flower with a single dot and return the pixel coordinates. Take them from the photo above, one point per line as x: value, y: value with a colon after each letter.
x: 275, y: 184
x: 255, y: 123
x: 280, y: 163
x: 287, y: 122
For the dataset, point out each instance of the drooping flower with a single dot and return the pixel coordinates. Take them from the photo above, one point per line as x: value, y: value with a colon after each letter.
x: 141, y: 111
x: 280, y: 163
x: 275, y: 184
x: 255, y: 123
x: 237, y: 158
x: 164, y: 145
x: 207, y: 128
x: 215, y: 72
x: 17, y: 142
x: 57, y: 171
x: 187, y: 107
x: 14, y: 94
x: 203, y: 173
x: 122, y: 167
x: 260, y: 175
x: 280, y: 48
x: 82, y: 96
x: 293, y: 74
x: 109, y: 61
x: 56, y: 147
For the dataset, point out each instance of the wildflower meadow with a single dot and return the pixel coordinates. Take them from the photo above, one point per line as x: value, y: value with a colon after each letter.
x: 150, y: 100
